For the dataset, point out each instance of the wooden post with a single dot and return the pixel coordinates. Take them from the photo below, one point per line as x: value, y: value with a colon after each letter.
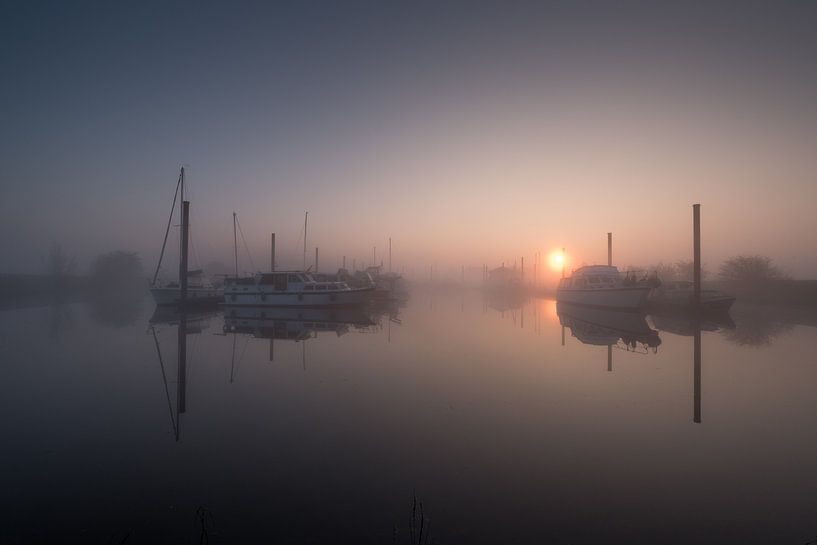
x: 183, y: 261
x: 344, y: 262
x: 696, y: 381
x: 696, y: 254
x: 610, y: 357
x: 272, y: 253
x: 316, y: 260
x: 523, y: 270
x: 610, y: 249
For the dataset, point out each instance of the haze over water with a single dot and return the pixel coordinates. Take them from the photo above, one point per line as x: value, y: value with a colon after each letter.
x: 469, y: 134
x: 472, y: 404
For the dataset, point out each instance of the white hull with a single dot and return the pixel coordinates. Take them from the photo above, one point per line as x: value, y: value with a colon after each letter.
x: 172, y: 296
x: 630, y: 298
x: 269, y: 298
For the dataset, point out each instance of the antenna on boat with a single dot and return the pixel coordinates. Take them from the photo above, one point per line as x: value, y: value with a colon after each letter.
x: 235, y: 245
x: 306, y: 217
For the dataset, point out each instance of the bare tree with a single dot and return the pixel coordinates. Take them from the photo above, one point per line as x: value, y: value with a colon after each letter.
x: 59, y: 265
x: 750, y: 270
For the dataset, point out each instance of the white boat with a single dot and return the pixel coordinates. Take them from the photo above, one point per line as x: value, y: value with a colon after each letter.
x: 199, y: 291
x: 603, y: 286
x: 291, y: 289
x: 679, y: 294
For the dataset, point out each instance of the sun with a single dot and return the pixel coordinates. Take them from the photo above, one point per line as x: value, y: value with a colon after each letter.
x: 557, y: 260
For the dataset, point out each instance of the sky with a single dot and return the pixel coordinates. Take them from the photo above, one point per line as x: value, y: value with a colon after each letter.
x: 470, y: 133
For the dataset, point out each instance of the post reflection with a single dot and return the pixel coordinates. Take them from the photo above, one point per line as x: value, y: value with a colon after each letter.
x: 187, y: 323
x: 692, y: 325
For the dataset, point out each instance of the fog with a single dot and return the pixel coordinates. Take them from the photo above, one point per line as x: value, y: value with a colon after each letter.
x: 469, y: 137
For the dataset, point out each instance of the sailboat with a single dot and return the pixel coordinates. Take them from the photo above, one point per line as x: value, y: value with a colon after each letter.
x: 192, y: 287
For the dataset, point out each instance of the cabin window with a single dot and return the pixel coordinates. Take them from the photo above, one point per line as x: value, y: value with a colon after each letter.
x: 333, y: 287
x: 266, y: 280
x: 294, y: 278
x: 593, y: 280
x: 280, y: 282
x: 581, y: 282
x: 309, y: 288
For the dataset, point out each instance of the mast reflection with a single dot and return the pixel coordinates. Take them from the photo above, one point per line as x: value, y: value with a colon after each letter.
x: 186, y: 323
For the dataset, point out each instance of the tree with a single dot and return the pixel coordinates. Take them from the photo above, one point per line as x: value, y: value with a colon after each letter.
x: 750, y: 270
x: 57, y: 264
x: 117, y: 269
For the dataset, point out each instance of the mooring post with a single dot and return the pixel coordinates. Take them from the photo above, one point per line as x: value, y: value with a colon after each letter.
x: 609, y: 249
x: 272, y: 253
x: 696, y: 254
x: 183, y: 261
x: 316, y: 260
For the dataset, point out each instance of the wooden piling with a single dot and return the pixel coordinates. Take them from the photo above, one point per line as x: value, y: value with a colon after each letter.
x: 183, y: 261
x: 609, y: 249
x: 696, y: 254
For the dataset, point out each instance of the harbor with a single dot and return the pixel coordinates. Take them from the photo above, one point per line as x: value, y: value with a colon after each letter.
x: 377, y: 273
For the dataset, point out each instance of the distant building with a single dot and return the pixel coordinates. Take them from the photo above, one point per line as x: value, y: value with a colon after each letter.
x: 504, y: 277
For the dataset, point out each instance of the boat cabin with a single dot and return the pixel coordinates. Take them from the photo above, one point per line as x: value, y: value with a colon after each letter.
x: 592, y: 277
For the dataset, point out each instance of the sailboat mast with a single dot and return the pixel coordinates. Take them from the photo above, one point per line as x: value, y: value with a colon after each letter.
x: 306, y: 217
x: 235, y: 246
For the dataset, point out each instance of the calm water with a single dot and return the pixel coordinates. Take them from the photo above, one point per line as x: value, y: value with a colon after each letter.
x: 509, y: 427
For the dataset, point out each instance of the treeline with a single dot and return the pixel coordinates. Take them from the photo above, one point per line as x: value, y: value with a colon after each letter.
x: 754, y: 278
x: 111, y: 272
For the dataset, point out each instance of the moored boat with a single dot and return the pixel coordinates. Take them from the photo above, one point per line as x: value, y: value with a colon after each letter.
x: 603, y: 286
x: 680, y: 295
x: 291, y: 289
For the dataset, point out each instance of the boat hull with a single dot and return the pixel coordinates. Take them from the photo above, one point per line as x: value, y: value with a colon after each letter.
x: 624, y: 298
x: 195, y: 296
x: 257, y: 298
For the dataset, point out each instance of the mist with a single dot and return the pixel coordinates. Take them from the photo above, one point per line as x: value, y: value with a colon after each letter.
x: 468, y: 137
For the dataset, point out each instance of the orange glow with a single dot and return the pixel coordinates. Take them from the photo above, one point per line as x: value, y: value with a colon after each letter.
x: 557, y: 259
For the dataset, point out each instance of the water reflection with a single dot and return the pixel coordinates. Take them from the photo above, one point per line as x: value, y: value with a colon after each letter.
x: 186, y: 323
x: 602, y: 327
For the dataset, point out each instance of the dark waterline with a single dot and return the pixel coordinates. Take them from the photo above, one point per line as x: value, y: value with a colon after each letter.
x: 327, y: 432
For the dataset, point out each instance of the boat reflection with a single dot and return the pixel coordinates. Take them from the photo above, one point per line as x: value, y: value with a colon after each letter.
x: 605, y: 327
x: 630, y: 331
x: 296, y: 324
x: 687, y: 325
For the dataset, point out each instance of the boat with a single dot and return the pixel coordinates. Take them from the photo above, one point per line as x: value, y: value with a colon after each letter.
x: 504, y: 279
x: 679, y: 294
x: 196, y: 287
x: 291, y: 289
x: 604, y: 286
x: 199, y: 291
